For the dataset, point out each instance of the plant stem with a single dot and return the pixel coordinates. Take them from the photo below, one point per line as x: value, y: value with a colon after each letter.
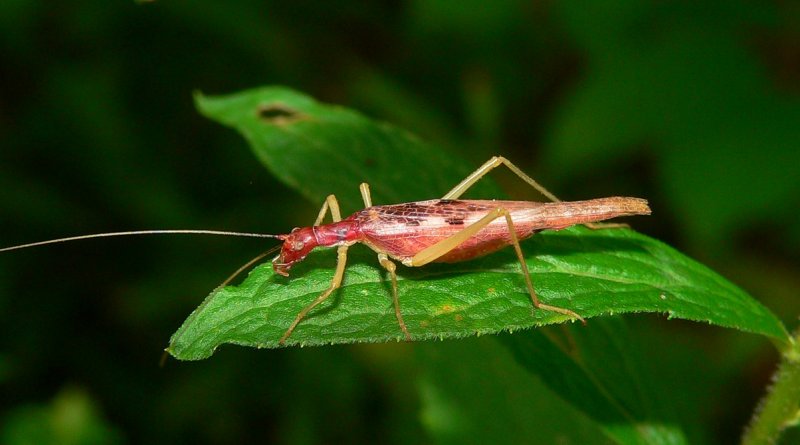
x: 780, y: 408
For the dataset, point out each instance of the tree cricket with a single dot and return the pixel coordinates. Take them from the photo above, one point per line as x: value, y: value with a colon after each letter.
x: 448, y: 229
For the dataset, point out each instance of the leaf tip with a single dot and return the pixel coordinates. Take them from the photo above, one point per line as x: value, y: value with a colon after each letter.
x: 198, y: 97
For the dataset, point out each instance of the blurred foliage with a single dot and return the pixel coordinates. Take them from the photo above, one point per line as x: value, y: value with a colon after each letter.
x: 70, y: 419
x: 691, y: 104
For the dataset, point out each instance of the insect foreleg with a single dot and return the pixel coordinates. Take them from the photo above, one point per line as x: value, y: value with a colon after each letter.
x: 444, y: 246
x: 341, y: 262
x: 390, y: 267
x: 332, y: 204
x: 365, y: 195
x: 490, y: 165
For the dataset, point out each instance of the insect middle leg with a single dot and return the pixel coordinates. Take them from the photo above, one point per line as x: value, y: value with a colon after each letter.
x: 389, y: 265
x: 444, y: 246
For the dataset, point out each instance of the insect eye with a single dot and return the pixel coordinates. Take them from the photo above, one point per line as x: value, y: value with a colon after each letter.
x: 298, y: 245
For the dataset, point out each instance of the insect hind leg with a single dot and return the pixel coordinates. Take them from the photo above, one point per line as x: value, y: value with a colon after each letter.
x: 497, y: 161
x: 491, y: 164
x: 446, y: 245
x: 527, y: 275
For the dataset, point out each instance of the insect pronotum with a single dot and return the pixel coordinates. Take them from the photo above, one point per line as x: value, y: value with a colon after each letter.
x: 417, y: 233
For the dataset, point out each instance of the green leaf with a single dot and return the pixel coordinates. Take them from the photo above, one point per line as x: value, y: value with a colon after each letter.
x: 319, y: 149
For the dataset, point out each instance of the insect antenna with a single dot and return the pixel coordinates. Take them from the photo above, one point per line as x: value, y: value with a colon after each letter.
x: 247, y: 266
x: 140, y: 232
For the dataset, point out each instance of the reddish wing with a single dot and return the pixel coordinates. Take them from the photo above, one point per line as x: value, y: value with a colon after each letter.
x: 403, y: 230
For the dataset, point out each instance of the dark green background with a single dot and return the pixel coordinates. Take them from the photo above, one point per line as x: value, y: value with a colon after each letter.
x: 694, y: 105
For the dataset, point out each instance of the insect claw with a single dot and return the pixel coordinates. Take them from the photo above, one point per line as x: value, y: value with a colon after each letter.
x: 563, y: 311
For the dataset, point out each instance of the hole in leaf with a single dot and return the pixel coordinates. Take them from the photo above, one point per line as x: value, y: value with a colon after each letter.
x: 278, y: 114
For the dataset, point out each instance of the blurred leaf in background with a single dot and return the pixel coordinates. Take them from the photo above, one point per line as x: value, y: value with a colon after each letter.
x: 688, y: 85
x: 70, y: 419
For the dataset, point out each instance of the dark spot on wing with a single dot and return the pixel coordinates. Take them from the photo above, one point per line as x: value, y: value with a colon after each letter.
x: 407, y: 209
x: 409, y: 214
x: 279, y: 114
x: 412, y: 214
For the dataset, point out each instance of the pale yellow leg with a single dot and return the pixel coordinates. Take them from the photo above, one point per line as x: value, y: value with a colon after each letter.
x: 365, y: 195
x: 446, y: 245
x: 497, y: 161
x: 332, y: 204
x: 341, y: 262
x: 387, y: 264
x: 490, y: 165
x: 390, y: 267
x: 431, y: 253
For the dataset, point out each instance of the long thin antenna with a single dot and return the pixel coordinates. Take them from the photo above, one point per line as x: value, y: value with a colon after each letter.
x: 140, y: 232
x: 247, y: 266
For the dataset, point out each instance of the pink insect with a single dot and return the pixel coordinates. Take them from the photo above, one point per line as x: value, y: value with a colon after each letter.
x: 417, y: 233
